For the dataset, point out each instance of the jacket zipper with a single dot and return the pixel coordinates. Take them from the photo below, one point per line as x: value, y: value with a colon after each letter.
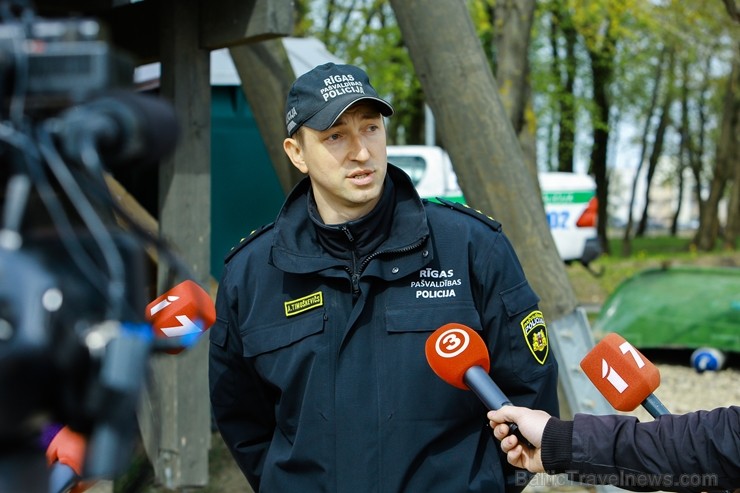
x: 355, y: 274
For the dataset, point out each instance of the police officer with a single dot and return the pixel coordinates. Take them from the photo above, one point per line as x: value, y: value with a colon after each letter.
x: 318, y: 376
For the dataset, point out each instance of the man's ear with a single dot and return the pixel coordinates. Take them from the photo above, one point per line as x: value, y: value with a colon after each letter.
x: 295, y: 152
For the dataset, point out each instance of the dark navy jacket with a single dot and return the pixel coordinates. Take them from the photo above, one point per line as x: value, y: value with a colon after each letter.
x: 318, y: 376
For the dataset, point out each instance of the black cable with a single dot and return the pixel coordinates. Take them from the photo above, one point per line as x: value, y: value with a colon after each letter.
x: 54, y: 207
x: 108, y: 248
x: 17, y: 193
x: 95, y: 183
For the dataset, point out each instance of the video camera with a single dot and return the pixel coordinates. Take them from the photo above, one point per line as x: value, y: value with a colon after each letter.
x: 55, y: 63
x: 74, y: 344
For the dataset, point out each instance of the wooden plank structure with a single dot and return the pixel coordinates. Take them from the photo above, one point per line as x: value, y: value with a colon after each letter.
x: 175, y: 416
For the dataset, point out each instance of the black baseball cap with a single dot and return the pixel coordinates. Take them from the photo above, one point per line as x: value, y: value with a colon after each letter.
x: 317, y: 98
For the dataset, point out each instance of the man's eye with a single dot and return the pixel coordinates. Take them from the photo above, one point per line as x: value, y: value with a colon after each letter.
x: 333, y: 137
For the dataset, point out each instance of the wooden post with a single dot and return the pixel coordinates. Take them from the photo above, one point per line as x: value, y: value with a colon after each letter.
x: 175, y: 414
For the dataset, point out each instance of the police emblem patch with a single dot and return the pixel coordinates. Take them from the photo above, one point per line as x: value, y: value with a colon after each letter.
x: 535, y: 333
x: 313, y: 300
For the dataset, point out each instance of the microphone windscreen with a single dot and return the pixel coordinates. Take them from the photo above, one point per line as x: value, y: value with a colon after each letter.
x: 453, y: 349
x: 179, y: 308
x: 623, y: 375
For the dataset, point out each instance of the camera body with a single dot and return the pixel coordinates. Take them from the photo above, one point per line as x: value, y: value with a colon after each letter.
x: 56, y: 63
x: 74, y: 270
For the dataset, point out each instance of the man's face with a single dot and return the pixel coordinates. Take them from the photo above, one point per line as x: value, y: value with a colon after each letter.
x: 347, y: 163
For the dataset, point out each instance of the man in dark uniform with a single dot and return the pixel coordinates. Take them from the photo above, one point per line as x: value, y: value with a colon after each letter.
x: 318, y: 375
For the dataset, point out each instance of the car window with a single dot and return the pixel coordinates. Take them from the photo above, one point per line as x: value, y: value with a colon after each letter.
x: 414, y: 166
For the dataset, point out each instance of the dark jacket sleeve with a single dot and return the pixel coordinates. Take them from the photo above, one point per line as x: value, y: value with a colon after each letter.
x: 698, y: 451
x: 528, y: 377
x: 242, y: 407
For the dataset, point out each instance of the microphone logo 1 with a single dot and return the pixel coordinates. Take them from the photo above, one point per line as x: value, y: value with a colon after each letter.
x: 162, y: 305
x: 613, y: 377
x: 452, y: 342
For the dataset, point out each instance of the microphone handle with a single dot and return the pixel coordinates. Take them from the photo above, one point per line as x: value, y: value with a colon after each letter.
x: 653, y: 405
x: 482, y: 385
x: 62, y: 478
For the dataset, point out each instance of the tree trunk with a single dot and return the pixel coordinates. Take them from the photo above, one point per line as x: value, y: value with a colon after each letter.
x: 627, y: 238
x: 726, y: 157
x: 512, y: 48
x: 566, y: 97
x: 697, y: 151
x: 601, y: 69
x: 677, y: 212
x: 512, y: 71
x: 528, y: 141
x: 684, y: 155
x: 460, y: 88
x: 266, y: 76
x: 657, y: 150
x: 732, y: 229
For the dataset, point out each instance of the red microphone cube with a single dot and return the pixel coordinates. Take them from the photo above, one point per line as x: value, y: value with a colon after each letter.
x: 621, y: 373
x: 184, y: 309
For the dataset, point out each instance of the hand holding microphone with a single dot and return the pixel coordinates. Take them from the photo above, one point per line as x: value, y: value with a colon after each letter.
x: 458, y: 355
x: 531, y: 423
x: 65, y: 455
x: 602, y: 448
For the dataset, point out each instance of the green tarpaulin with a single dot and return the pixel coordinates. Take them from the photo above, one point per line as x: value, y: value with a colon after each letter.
x: 677, y: 307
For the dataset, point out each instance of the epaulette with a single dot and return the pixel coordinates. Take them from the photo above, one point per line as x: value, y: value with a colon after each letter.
x: 246, y: 240
x: 471, y: 212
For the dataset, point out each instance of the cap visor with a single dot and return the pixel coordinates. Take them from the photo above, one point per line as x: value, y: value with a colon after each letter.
x: 329, y: 115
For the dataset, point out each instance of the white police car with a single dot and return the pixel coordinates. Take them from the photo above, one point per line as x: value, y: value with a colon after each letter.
x: 569, y: 198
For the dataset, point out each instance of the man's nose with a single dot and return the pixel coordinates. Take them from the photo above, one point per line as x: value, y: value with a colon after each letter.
x: 359, y: 150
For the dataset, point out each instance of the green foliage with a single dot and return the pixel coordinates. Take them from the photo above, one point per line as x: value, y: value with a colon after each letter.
x: 365, y: 33
x: 482, y: 15
x: 627, y: 35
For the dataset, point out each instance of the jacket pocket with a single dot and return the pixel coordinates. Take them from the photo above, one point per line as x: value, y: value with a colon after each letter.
x: 273, y: 337
x: 429, y: 318
x: 290, y: 356
x: 221, y: 334
x: 519, y: 298
x: 409, y: 383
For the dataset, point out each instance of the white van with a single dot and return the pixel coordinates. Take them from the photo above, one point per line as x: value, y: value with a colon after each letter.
x: 569, y: 198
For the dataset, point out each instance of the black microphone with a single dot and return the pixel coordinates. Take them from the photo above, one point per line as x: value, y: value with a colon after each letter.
x: 123, y: 127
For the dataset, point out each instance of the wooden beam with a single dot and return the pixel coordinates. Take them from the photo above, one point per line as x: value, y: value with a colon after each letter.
x: 227, y: 23
x: 175, y: 414
x: 134, y: 26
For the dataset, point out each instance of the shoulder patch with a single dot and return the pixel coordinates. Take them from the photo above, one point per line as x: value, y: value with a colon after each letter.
x: 246, y: 240
x: 465, y: 209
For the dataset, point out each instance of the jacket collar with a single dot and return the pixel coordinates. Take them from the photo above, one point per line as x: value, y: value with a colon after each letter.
x: 303, y: 244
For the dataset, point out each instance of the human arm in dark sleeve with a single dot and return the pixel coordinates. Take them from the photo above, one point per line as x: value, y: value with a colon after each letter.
x: 521, y: 359
x: 697, y: 451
